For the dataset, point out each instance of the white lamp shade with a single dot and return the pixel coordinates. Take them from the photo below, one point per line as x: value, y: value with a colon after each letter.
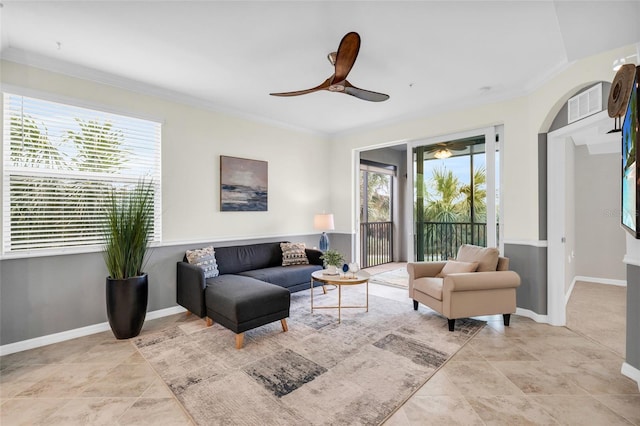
x: 323, y: 222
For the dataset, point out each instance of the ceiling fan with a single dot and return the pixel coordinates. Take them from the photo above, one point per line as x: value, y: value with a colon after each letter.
x: 343, y: 61
x: 444, y: 150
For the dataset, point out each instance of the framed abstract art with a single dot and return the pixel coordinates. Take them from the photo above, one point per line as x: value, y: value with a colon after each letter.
x: 243, y: 185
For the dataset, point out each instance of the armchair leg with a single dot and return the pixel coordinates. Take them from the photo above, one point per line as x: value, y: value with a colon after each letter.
x: 506, y: 318
x: 452, y: 323
x: 415, y: 305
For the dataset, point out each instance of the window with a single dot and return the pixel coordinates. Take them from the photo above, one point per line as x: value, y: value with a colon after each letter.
x: 60, y: 161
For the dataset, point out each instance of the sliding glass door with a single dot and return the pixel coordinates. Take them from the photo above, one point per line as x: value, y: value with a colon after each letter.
x: 456, y: 196
x: 376, y: 213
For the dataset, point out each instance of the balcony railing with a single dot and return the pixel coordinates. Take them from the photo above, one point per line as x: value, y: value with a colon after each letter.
x: 441, y: 240
x: 376, y: 243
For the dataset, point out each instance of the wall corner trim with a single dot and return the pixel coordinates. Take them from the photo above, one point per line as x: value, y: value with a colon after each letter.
x: 530, y: 314
x: 631, y: 372
x: 534, y: 243
x: 631, y: 260
x: 78, y: 332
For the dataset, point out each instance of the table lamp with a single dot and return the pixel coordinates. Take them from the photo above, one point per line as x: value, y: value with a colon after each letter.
x: 323, y: 222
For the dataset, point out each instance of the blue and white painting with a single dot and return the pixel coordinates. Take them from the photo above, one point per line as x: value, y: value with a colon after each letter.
x: 243, y: 185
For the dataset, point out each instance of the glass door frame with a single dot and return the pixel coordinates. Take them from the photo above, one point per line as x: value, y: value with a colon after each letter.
x: 367, y: 167
x: 490, y: 135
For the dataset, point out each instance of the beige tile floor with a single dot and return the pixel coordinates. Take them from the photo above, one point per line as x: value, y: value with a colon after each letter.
x: 610, y: 303
x: 528, y: 373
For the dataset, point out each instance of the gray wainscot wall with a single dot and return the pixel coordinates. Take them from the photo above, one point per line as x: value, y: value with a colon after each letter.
x: 530, y: 262
x: 633, y: 317
x: 43, y: 296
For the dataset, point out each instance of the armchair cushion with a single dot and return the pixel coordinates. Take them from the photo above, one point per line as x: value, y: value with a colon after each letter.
x: 487, y: 257
x: 455, y: 267
x: 430, y: 286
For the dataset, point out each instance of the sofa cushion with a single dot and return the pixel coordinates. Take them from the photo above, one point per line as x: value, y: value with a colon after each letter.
x: 487, y: 257
x: 429, y: 285
x: 293, y: 254
x: 234, y: 259
x: 456, y: 267
x: 205, y: 259
x: 285, y: 276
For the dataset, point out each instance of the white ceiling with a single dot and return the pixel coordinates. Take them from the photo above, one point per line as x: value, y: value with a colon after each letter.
x: 229, y: 55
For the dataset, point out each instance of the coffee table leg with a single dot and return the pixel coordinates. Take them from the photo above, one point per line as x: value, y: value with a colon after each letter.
x: 311, y: 295
x: 367, y: 295
x: 339, y: 302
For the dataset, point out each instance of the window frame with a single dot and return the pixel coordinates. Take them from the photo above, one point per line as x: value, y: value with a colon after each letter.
x: 5, y: 173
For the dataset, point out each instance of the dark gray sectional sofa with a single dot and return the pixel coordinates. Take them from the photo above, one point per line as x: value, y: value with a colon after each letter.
x: 250, y: 290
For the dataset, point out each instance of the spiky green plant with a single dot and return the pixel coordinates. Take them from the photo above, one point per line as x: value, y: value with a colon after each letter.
x: 128, y: 223
x: 332, y: 257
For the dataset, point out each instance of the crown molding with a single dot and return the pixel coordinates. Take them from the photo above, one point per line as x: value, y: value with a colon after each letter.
x: 47, y: 63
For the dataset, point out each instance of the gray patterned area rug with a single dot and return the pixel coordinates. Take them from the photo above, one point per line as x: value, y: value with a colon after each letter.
x: 394, y: 278
x: 319, y: 372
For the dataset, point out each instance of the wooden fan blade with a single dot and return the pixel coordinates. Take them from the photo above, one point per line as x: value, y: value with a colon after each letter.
x: 324, y: 86
x: 346, y: 56
x: 366, y: 95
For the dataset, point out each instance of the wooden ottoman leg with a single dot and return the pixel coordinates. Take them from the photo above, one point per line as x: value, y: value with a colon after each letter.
x: 239, y: 340
x: 188, y: 313
x: 285, y: 328
x: 209, y: 322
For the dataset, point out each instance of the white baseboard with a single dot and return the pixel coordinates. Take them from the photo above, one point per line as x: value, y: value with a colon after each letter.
x: 604, y: 281
x: 530, y: 314
x: 631, y: 372
x: 164, y: 312
x: 567, y: 295
x: 607, y: 281
x: 78, y: 332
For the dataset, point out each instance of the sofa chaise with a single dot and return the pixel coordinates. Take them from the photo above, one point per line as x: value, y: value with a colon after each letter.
x: 249, y: 287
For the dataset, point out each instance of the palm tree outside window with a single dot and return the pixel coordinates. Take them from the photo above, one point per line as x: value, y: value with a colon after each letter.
x: 450, y: 198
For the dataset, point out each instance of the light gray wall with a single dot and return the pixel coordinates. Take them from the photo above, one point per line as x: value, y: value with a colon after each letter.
x: 46, y: 295
x: 344, y: 244
x: 531, y: 264
x: 633, y: 316
x: 600, y: 241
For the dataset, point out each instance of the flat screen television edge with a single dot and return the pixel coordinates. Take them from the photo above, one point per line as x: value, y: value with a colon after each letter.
x: 630, y: 184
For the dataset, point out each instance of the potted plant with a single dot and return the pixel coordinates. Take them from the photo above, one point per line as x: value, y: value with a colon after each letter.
x: 128, y: 223
x: 332, y: 260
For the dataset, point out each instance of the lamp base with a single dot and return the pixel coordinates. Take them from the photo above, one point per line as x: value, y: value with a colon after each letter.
x: 324, y: 242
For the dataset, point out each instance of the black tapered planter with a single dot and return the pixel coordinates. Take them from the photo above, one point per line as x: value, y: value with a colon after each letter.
x: 127, y: 305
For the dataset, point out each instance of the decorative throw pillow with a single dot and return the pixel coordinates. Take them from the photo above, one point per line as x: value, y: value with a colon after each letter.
x: 293, y: 254
x: 205, y: 258
x: 487, y: 257
x: 455, y: 267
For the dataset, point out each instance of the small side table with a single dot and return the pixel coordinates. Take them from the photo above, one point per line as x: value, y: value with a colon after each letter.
x: 360, y: 277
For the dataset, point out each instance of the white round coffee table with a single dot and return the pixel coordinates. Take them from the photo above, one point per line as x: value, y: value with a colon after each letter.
x: 360, y: 277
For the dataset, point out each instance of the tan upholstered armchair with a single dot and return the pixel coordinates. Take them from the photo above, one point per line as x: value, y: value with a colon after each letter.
x: 478, y: 282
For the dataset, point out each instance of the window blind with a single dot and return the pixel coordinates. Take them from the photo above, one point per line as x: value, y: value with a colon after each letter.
x: 60, y: 161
